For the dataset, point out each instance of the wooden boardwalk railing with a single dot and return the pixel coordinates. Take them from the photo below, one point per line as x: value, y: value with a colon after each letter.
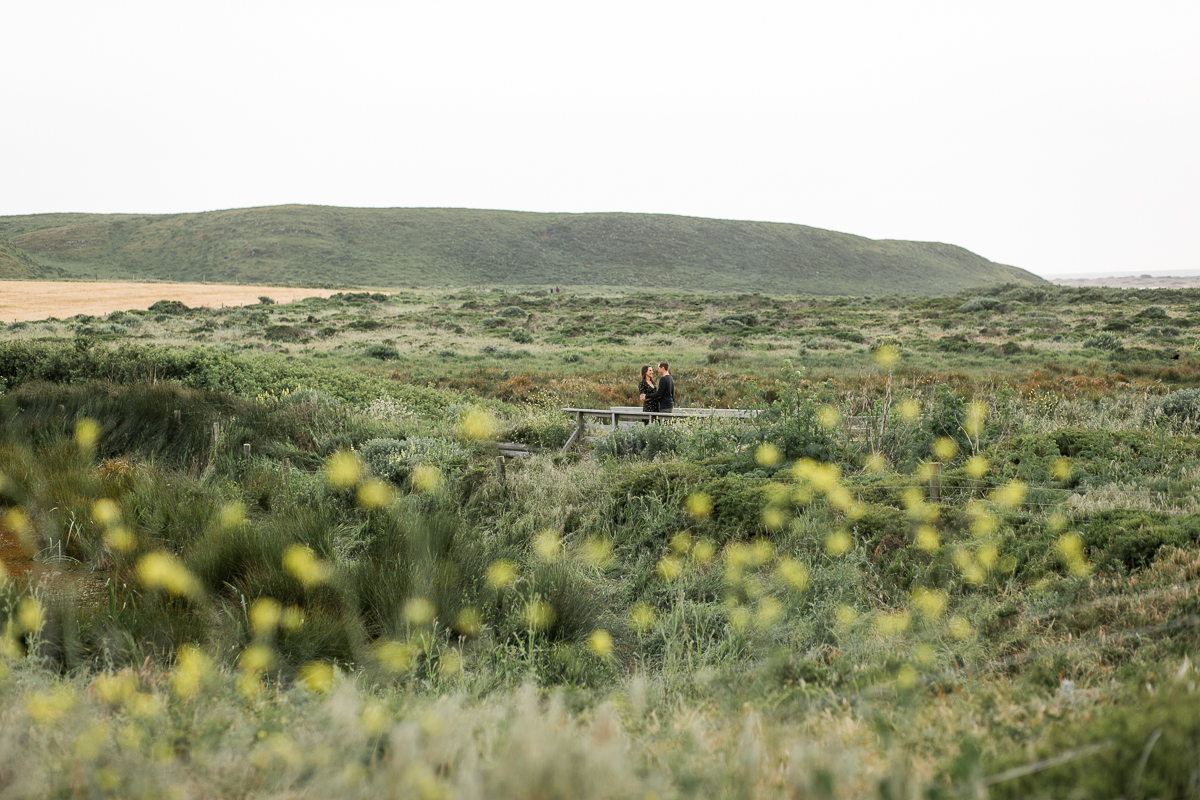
x: 609, y: 419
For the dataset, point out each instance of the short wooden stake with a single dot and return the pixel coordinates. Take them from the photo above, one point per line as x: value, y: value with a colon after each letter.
x: 246, y: 449
x: 177, y: 416
x: 216, y: 432
x: 935, y: 481
x: 500, y: 470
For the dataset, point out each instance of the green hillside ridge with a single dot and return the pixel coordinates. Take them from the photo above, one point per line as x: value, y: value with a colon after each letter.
x: 447, y: 247
x: 16, y: 264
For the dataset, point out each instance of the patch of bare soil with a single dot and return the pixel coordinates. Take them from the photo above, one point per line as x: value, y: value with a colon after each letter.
x: 34, y: 300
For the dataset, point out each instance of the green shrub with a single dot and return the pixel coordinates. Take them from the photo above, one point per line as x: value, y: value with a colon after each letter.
x: 1179, y: 410
x: 513, y: 311
x: 642, y: 441
x: 520, y: 336
x: 1143, y: 747
x: 1104, y: 341
x: 384, y: 352
x: 979, y: 304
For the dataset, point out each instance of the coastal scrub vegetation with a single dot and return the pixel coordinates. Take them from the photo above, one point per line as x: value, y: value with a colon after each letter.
x: 926, y: 565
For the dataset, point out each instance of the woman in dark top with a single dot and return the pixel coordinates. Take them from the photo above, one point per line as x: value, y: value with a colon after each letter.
x: 646, y: 386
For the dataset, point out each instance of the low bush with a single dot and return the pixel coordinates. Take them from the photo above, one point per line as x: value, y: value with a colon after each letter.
x: 979, y: 304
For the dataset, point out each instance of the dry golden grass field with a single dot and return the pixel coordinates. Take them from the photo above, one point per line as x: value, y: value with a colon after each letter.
x: 34, y: 300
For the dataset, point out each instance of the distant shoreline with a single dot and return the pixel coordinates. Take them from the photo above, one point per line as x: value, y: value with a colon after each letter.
x: 1144, y: 281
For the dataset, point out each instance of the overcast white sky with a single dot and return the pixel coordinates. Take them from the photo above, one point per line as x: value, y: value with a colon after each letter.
x: 1062, y: 137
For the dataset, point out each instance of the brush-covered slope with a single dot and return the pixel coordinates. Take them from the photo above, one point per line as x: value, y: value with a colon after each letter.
x: 439, y: 247
x: 16, y: 264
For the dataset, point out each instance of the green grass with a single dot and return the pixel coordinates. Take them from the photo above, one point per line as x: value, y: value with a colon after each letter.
x: 316, y: 245
x: 692, y: 610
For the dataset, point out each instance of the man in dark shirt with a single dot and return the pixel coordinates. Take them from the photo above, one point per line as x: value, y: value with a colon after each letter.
x: 665, y: 394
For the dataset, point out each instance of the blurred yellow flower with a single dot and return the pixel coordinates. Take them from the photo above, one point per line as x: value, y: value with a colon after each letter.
x: 681, y: 542
x: 906, y: 677
x: 959, y: 628
x: 303, y: 565
x: 120, y: 539
x: 18, y: 522
x: 450, y: 663
x: 317, y: 676
x: 114, y: 688
x: 397, y: 656
x: 977, y: 467
x: 597, y: 551
x: 987, y: 554
x: 232, y: 515
x: 426, y: 478
x: 51, y: 706
x: 704, y: 550
x: 30, y: 615
x: 773, y: 518
x: 1061, y: 469
x: 768, y: 612
x: 419, y: 611
x: 844, y: 616
x: 793, y: 573
x: 892, y: 623
x: 192, y: 669
x: 1009, y: 496
x: 90, y: 742
x: 87, y: 433
x: 374, y: 718
x: 909, y: 409
x: 927, y: 538
x: 292, y: 618
x: 161, y: 570
x: 343, y: 470
x: 887, y: 355
x: 642, y: 617
x: 767, y: 455
x: 538, y: 614
x: 669, y: 568
x: 930, y: 602
x: 547, y: 545
x: 739, y: 617
x: 264, y: 614
x: 500, y: 573
x: 1070, y: 548
x: 829, y: 417
x: 478, y: 425
x: 601, y: 643
x: 256, y: 658
x: 945, y: 448
x: 375, y: 494
x: 838, y: 543
x: 875, y: 463
x: 106, y: 511
x: 699, y: 505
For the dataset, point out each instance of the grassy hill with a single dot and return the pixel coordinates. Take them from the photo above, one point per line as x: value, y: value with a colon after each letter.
x: 16, y: 264
x: 443, y: 247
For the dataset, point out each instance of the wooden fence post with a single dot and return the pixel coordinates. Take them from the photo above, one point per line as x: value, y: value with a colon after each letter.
x: 246, y: 450
x: 935, y: 481
x: 216, y: 432
x: 500, y: 470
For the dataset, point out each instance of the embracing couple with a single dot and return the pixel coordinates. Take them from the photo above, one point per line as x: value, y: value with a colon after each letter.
x: 660, y: 397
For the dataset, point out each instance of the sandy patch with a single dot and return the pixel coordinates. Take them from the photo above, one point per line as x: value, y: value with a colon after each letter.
x: 34, y: 300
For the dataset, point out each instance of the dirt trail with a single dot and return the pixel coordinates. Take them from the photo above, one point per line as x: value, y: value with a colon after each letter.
x: 34, y: 300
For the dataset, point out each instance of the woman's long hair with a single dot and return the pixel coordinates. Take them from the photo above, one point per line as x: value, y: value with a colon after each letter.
x: 647, y: 378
